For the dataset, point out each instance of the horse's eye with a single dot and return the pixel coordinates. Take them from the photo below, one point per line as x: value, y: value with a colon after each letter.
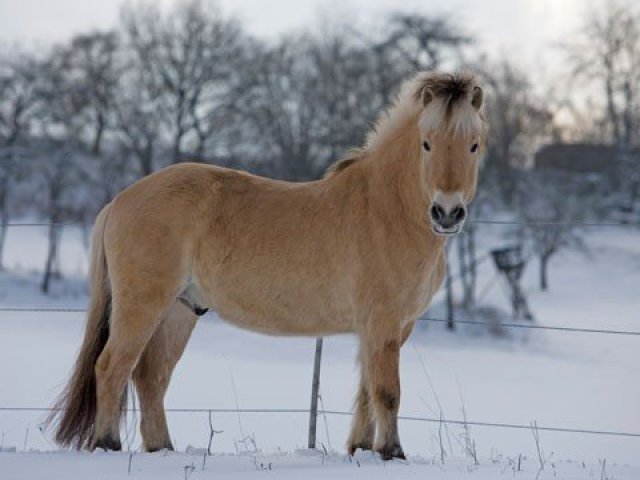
x: 427, y: 147
x: 474, y: 148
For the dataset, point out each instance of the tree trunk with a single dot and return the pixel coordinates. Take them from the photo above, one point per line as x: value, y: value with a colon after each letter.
x: 471, y: 253
x: 51, y: 256
x: 177, y: 139
x: 462, y: 261
x: 627, y: 118
x: 544, y: 279
x: 56, y: 268
x: 4, y: 215
x: 4, y: 229
x: 177, y: 149
x: 145, y: 157
x: 449, y: 286
x: 97, y: 138
x: 612, y: 111
x: 467, y: 254
x: 4, y: 220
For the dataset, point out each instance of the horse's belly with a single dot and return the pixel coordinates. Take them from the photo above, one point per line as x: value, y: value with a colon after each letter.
x: 298, y: 311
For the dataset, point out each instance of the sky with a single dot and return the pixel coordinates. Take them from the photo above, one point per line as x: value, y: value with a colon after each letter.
x: 528, y: 27
x: 527, y: 32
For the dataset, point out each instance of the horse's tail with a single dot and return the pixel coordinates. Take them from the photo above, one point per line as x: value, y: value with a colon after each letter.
x: 74, y: 411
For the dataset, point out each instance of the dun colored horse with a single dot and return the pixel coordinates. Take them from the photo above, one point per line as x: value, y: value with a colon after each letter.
x: 360, y: 251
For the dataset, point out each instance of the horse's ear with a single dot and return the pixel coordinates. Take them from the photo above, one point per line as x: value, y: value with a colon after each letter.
x: 427, y: 96
x: 477, y: 98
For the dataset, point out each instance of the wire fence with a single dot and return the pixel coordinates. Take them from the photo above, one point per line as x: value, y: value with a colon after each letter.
x: 342, y: 413
x: 511, y: 325
x: 526, y: 326
x: 545, y: 223
x: 532, y: 326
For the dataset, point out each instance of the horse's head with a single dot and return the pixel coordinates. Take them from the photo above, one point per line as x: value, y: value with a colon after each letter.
x: 453, y: 133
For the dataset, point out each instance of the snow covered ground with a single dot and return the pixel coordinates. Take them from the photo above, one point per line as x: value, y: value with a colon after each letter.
x: 293, y: 466
x: 573, y: 380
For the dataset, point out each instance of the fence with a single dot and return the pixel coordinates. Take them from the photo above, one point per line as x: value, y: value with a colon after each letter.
x: 314, y: 411
x: 341, y: 413
x: 525, y: 326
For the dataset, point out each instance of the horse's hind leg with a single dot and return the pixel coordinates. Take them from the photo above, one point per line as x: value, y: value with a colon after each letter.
x: 153, y: 373
x: 131, y: 327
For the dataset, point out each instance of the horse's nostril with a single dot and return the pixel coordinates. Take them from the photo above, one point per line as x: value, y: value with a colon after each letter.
x: 459, y: 213
x: 437, y: 212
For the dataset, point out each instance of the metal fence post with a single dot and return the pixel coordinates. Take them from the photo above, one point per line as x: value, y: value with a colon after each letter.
x: 315, y: 387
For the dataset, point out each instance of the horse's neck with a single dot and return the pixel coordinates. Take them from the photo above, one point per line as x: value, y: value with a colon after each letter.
x: 397, y: 170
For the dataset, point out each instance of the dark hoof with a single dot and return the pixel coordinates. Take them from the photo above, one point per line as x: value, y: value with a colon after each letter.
x: 362, y: 446
x: 157, y: 448
x: 389, y: 452
x: 108, y: 443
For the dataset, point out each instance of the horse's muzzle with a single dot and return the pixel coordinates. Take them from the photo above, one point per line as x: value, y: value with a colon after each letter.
x: 447, y: 221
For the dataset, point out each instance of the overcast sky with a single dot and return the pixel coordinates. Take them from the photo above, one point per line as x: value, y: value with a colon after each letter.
x: 526, y: 31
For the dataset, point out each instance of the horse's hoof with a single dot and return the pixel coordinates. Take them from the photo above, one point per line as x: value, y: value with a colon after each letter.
x: 389, y: 452
x: 361, y: 445
x: 167, y: 446
x: 108, y: 443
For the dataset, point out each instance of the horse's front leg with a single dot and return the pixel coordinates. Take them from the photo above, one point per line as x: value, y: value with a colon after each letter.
x: 382, y: 349
x: 362, y: 426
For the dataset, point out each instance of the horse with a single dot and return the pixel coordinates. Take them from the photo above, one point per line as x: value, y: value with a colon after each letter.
x: 360, y: 250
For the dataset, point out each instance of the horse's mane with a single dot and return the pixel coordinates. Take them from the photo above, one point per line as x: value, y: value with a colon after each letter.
x: 448, y: 99
x: 353, y: 155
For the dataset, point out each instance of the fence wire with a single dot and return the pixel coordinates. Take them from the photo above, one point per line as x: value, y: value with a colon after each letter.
x: 527, y: 326
x: 545, y: 223
x: 532, y: 326
x: 407, y: 418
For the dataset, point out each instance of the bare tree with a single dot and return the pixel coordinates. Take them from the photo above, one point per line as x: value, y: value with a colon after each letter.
x: 551, y: 219
x: 282, y: 110
x: 606, y: 52
x: 521, y: 121
x: 137, y: 123
x: 605, y: 55
x: 425, y: 42
x: 187, y: 58
x: 89, y: 67
x: 341, y: 92
x: 59, y: 152
x: 18, y: 105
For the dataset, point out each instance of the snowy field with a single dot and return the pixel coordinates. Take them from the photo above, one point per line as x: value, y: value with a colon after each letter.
x: 559, y: 379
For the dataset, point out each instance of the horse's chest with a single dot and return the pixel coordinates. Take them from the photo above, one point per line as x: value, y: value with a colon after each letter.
x: 415, y: 292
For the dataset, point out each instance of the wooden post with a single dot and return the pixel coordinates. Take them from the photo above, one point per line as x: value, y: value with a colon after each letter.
x: 315, y: 388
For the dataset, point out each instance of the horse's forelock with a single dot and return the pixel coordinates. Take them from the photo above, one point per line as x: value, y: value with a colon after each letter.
x: 448, y: 103
x: 452, y: 103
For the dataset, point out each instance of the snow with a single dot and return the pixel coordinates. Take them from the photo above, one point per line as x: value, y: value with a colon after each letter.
x: 163, y: 465
x: 573, y: 380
